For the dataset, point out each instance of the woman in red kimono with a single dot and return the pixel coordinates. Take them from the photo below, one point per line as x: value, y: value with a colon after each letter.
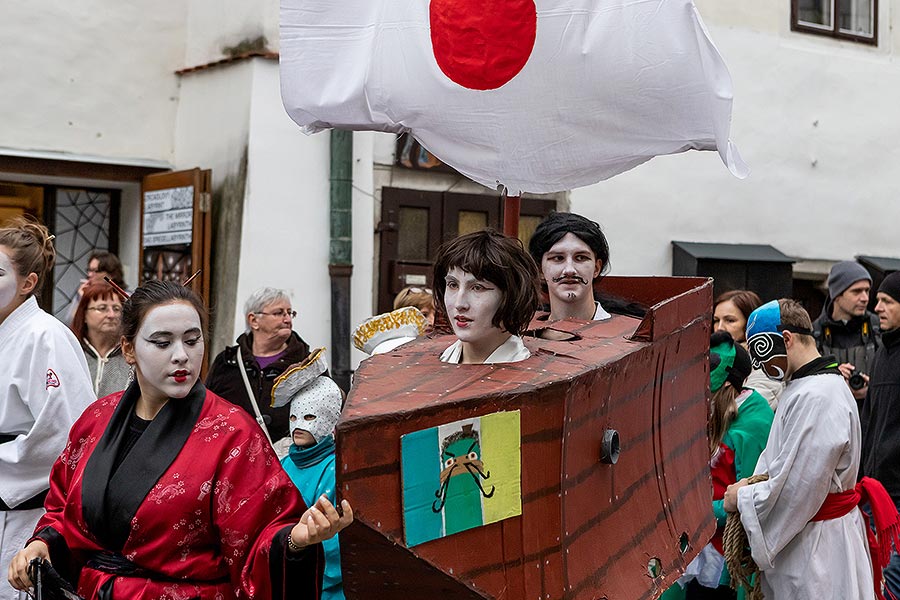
x: 167, y: 491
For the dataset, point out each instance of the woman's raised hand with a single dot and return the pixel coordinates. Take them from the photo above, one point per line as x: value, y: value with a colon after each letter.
x: 321, y: 522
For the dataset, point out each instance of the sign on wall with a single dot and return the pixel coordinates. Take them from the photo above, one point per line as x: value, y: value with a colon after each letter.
x: 176, y: 228
x: 168, y: 216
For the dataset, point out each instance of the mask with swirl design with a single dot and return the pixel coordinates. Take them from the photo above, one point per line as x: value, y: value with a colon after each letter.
x: 764, y: 341
x: 767, y: 352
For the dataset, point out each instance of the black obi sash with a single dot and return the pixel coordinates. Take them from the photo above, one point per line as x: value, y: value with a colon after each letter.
x: 110, y: 500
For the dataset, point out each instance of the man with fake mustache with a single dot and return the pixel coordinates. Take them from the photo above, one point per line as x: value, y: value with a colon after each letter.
x: 571, y: 252
x: 807, y: 534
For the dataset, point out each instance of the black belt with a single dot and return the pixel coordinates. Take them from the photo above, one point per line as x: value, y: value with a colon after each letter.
x: 116, y: 564
x: 7, y: 437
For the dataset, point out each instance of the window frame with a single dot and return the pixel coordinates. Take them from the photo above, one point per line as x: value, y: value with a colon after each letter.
x: 834, y: 30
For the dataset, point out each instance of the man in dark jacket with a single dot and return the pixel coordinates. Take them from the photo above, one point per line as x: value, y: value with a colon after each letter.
x: 880, y: 415
x: 846, y: 329
x: 266, y: 350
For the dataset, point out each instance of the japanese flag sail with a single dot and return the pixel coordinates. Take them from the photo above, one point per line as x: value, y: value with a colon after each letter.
x: 536, y: 95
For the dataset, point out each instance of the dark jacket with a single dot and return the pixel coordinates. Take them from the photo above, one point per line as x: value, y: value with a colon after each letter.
x: 852, y: 342
x: 880, y: 417
x: 225, y: 380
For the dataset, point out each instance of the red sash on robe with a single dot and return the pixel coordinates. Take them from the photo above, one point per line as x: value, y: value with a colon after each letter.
x: 884, y: 513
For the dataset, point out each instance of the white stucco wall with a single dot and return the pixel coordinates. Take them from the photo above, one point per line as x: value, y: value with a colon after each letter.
x: 815, y: 119
x: 284, y: 239
x: 213, y: 25
x: 83, y: 79
x: 213, y: 120
x: 362, y: 291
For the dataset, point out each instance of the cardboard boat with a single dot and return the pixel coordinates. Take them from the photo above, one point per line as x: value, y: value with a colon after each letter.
x: 596, y: 522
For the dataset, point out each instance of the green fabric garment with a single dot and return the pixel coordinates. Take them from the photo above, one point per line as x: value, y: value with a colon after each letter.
x: 719, y: 374
x: 749, y: 432
x: 747, y: 436
x: 676, y: 592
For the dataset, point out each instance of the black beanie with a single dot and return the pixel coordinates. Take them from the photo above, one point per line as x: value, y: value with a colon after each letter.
x: 741, y: 368
x: 891, y: 286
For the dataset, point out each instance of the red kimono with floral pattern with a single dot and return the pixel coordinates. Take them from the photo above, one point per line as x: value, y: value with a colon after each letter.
x: 190, y: 513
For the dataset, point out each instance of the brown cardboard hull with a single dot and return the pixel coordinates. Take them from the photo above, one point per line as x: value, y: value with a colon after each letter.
x: 588, y: 530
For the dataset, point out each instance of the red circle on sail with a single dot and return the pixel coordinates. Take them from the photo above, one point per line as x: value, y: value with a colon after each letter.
x: 482, y: 44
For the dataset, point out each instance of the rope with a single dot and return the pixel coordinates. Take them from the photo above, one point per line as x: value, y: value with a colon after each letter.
x: 741, y: 567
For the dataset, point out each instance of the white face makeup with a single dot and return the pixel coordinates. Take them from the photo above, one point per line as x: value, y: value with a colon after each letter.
x: 569, y: 267
x: 471, y: 305
x: 168, y: 349
x: 9, y: 280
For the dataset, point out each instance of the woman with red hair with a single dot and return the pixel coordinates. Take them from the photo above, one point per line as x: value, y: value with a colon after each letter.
x: 97, y: 325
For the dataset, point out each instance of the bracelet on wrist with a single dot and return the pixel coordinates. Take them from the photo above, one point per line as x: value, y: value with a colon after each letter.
x: 292, y: 547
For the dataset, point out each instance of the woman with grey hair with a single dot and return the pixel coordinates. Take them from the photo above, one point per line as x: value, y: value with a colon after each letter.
x: 244, y: 373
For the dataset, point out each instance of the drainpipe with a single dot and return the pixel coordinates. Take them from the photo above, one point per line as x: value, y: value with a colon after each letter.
x: 340, y: 256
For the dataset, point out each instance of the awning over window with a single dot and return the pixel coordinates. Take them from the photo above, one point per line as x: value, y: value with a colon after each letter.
x: 733, y: 252
x: 879, y: 264
x: 758, y: 267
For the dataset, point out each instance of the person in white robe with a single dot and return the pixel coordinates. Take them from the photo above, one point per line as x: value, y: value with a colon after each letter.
x: 44, y: 387
x: 486, y: 285
x: 813, y: 450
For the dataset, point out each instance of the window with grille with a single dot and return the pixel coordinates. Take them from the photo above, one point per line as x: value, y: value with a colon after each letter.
x: 83, y: 220
x: 855, y: 20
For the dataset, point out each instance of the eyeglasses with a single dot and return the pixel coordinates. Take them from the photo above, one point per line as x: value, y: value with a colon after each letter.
x: 116, y: 308
x: 418, y: 290
x: 279, y: 314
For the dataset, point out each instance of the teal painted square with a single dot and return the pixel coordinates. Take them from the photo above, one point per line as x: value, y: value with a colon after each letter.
x: 420, y: 468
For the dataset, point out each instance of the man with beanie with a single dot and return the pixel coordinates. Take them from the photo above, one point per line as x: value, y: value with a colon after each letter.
x: 804, y: 526
x: 846, y: 329
x: 880, y: 411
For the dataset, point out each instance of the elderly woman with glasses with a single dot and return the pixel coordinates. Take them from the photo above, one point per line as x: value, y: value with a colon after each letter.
x: 96, y: 324
x: 244, y: 373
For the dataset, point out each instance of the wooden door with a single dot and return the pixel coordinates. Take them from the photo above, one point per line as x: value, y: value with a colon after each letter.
x: 17, y: 200
x: 410, y: 231
x: 414, y: 223
x: 468, y: 213
x: 176, y: 228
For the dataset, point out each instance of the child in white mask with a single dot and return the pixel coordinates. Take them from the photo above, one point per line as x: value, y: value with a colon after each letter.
x: 316, y: 403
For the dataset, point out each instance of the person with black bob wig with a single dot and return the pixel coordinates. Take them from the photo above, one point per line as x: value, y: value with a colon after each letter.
x: 486, y: 285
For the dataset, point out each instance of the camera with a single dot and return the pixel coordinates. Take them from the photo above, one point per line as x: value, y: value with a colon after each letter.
x: 856, y: 381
